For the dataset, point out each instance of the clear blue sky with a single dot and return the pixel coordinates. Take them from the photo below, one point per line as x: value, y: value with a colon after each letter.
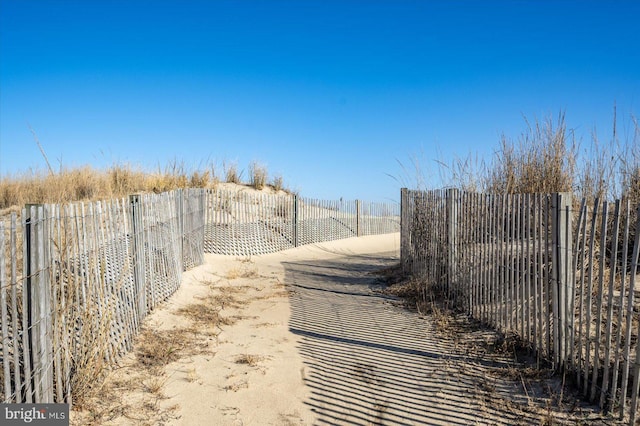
x: 330, y: 94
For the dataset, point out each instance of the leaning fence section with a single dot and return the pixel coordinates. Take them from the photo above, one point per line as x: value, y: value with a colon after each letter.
x: 77, y: 280
x: 243, y: 223
x: 563, y: 276
x: 246, y: 223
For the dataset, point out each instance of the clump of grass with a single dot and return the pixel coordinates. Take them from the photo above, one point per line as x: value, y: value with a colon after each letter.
x: 257, y: 175
x: 236, y: 273
x: 391, y: 275
x: 231, y: 173
x: 410, y: 289
x: 235, y: 387
x: 207, y: 312
x: 123, y: 179
x: 248, y: 359
x: 155, y: 385
x: 277, y: 182
x: 156, y: 349
x: 226, y: 297
x: 200, y: 179
x: 204, y: 313
x: 542, y: 160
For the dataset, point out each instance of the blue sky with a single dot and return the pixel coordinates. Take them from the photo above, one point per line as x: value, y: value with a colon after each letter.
x: 332, y: 95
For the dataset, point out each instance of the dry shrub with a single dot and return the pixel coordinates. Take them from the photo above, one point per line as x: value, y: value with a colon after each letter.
x: 244, y: 272
x: 541, y: 161
x: 125, y: 180
x: 250, y: 360
x: 631, y: 185
x: 89, y: 184
x: 231, y: 173
x: 156, y: 349
x: 226, y: 297
x: 168, y: 180
x: 257, y: 175
x: 89, y: 369
x: 75, y: 184
x: 546, y: 158
x: 278, y: 183
x: 203, y: 313
x: 200, y: 179
x: 466, y: 173
x: 119, y: 180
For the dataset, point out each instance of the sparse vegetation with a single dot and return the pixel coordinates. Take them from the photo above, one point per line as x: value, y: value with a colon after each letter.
x: 156, y: 349
x: 547, y: 157
x: 244, y: 272
x: 542, y: 160
x: 205, y: 312
x: 248, y: 359
x: 257, y: 175
x: 231, y: 174
x: 278, y: 183
x: 546, y: 395
x: 120, y: 180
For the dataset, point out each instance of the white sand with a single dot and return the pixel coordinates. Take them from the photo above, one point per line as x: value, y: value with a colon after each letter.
x: 326, y: 348
x: 249, y: 372
x: 273, y: 391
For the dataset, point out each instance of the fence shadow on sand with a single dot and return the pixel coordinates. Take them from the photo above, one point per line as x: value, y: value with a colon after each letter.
x: 368, y: 360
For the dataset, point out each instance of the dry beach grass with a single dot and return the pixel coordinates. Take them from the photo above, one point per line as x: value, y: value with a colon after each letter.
x: 120, y: 180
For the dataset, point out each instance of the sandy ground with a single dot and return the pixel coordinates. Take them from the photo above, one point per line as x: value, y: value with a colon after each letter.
x: 306, y: 336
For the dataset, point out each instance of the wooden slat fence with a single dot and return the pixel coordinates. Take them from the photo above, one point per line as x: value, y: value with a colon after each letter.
x: 244, y: 224
x: 77, y: 280
x: 563, y: 277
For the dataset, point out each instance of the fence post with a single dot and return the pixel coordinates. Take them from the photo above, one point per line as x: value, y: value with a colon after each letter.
x: 295, y: 221
x: 137, y: 240
x: 180, y: 219
x: 357, y: 218
x: 555, y: 263
x: 562, y: 281
x: 38, y: 303
x: 404, y: 230
x: 452, y: 229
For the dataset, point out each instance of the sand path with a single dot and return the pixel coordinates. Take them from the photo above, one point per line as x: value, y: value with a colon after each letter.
x: 307, y: 338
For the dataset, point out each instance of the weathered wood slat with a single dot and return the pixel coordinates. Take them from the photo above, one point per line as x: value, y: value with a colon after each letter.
x: 581, y: 297
x: 4, y: 317
x: 522, y: 264
x: 613, y: 263
x: 620, y: 320
x: 599, y: 301
x: 589, y: 309
x: 16, y: 322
